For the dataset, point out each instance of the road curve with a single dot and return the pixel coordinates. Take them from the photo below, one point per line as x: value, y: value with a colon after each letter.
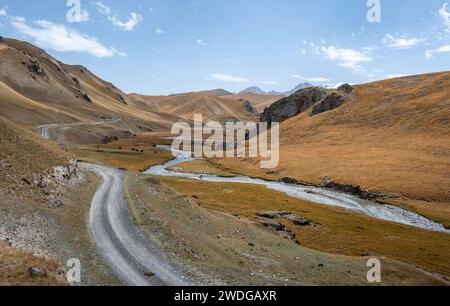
x: 45, y: 129
x: 126, y: 249
x: 123, y: 246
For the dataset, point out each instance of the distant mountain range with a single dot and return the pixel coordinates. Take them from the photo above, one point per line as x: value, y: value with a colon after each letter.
x: 258, y: 91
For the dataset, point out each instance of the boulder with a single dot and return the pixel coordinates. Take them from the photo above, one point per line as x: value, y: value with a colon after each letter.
x: 36, y: 272
x: 297, y: 220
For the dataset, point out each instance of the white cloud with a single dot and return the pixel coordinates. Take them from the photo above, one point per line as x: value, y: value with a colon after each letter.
x: 18, y: 19
x: 159, y: 31
x: 311, y: 79
x: 429, y: 54
x: 400, y: 42
x: 3, y: 12
x: 445, y: 15
x: 347, y: 58
x: 227, y: 78
x: 103, y: 8
x: 58, y: 37
x: 201, y: 42
x: 128, y: 25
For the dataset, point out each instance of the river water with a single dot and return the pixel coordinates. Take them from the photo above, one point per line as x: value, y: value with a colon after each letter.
x: 313, y: 194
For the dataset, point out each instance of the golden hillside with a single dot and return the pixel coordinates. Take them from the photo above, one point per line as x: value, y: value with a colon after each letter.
x: 392, y: 136
x: 259, y: 102
x: 37, y: 89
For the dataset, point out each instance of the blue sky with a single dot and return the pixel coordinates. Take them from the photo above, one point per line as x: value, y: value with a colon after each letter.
x: 167, y: 46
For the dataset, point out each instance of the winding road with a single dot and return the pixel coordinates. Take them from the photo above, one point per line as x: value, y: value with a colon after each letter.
x: 126, y: 249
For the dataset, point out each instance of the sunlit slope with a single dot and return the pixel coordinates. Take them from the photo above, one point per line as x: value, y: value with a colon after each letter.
x: 259, y: 102
x: 392, y: 136
x: 32, y: 80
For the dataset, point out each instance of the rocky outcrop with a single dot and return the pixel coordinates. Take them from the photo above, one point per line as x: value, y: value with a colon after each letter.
x: 293, y: 105
x: 331, y: 102
x: 77, y: 82
x: 320, y: 99
x: 59, y: 175
x: 249, y: 107
x: 281, y: 214
x: 346, y: 89
x: 35, y: 68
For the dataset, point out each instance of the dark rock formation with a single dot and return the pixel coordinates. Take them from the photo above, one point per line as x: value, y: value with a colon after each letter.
x: 249, y: 107
x: 84, y: 96
x: 293, y: 105
x: 297, y: 220
x: 35, y: 68
x: 331, y: 102
x: 77, y: 82
x: 346, y: 88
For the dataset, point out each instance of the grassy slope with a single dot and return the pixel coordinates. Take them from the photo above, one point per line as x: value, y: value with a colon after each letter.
x: 30, y: 79
x: 220, y: 248
x: 339, y: 231
x: 393, y: 137
x: 22, y: 154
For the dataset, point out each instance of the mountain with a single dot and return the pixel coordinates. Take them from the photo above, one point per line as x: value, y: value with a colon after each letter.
x: 217, y: 92
x: 297, y: 88
x: 184, y: 106
x: 258, y: 91
x: 37, y: 89
x: 396, y: 129
x: 253, y: 90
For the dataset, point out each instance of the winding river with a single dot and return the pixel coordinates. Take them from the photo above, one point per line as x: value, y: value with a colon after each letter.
x: 313, y: 194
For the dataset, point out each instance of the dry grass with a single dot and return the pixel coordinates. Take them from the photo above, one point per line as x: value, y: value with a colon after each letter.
x: 340, y: 231
x: 259, y: 102
x: 393, y: 137
x: 23, y: 154
x: 201, y: 167
x: 136, y: 154
x: 222, y: 249
x: 15, y: 265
